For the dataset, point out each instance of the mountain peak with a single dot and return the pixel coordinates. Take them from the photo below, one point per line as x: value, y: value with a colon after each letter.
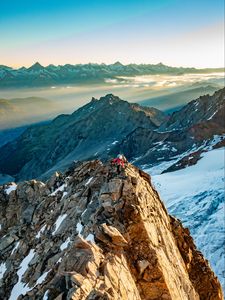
x: 93, y: 99
x: 36, y: 67
x: 110, y: 97
x: 87, y: 227
x: 118, y: 63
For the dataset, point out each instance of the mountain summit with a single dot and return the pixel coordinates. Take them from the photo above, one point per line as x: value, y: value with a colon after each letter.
x: 36, y: 67
x: 93, y: 234
x: 90, y: 132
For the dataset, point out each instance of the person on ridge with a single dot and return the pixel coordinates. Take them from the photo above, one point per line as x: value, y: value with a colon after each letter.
x: 119, y: 161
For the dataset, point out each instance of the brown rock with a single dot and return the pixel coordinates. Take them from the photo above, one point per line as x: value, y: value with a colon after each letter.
x: 114, y: 241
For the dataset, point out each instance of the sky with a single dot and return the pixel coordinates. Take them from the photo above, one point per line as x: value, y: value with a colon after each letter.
x: 177, y: 33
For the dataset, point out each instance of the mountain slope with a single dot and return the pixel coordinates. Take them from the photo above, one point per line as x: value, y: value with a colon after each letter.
x: 196, y: 196
x: 90, y: 131
x: 195, y: 128
x: 105, y: 127
x: 94, y: 234
x: 196, y: 111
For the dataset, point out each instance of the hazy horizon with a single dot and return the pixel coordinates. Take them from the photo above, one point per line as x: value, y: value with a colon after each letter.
x: 188, y: 34
x: 164, y: 92
x: 104, y: 63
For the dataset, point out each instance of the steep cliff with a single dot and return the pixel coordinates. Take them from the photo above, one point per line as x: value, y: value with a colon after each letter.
x: 94, y: 234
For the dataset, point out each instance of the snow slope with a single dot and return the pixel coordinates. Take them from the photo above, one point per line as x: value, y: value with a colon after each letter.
x: 195, y: 195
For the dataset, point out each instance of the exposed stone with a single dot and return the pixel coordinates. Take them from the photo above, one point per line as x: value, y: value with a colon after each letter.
x: 109, y: 237
x: 142, y: 265
x: 6, y: 242
x: 114, y: 234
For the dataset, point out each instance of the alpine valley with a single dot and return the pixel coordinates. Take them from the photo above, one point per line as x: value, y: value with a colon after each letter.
x: 71, y: 226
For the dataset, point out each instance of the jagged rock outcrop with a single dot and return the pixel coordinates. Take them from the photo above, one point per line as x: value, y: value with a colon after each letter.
x: 94, y: 234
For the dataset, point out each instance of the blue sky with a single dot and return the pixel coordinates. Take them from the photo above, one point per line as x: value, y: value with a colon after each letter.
x: 188, y: 33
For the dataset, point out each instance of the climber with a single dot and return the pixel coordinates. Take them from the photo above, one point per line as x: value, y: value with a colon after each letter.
x: 119, y: 161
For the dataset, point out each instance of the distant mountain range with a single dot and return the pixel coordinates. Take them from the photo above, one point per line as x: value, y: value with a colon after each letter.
x: 103, y: 128
x: 37, y: 75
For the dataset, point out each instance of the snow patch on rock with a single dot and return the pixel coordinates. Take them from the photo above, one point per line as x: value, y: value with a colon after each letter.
x: 89, y: 181
x: 2, y: 270
x: 79, y: 227
x: 10, y: 188
x: 15, y: 248
x: 20, y: 288
x: 61, y: 189
x: 65, y: 244
x: 58, y: 222
x: 40, y: 231
x: 90, y: 238
x: 42, y: 278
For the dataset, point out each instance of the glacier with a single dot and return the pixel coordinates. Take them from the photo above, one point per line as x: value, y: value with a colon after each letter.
x: 195, y: 195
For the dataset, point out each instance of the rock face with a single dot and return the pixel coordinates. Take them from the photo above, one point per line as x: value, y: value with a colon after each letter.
x: 94, y: 234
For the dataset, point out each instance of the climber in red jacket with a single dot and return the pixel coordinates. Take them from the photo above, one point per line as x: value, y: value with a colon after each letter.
x: 119, y: 161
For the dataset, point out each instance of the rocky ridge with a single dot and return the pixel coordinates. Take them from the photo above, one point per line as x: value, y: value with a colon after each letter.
x: 93, y: 234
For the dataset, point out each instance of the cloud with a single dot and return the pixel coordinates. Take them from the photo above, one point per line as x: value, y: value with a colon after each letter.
x: 170, y: 81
